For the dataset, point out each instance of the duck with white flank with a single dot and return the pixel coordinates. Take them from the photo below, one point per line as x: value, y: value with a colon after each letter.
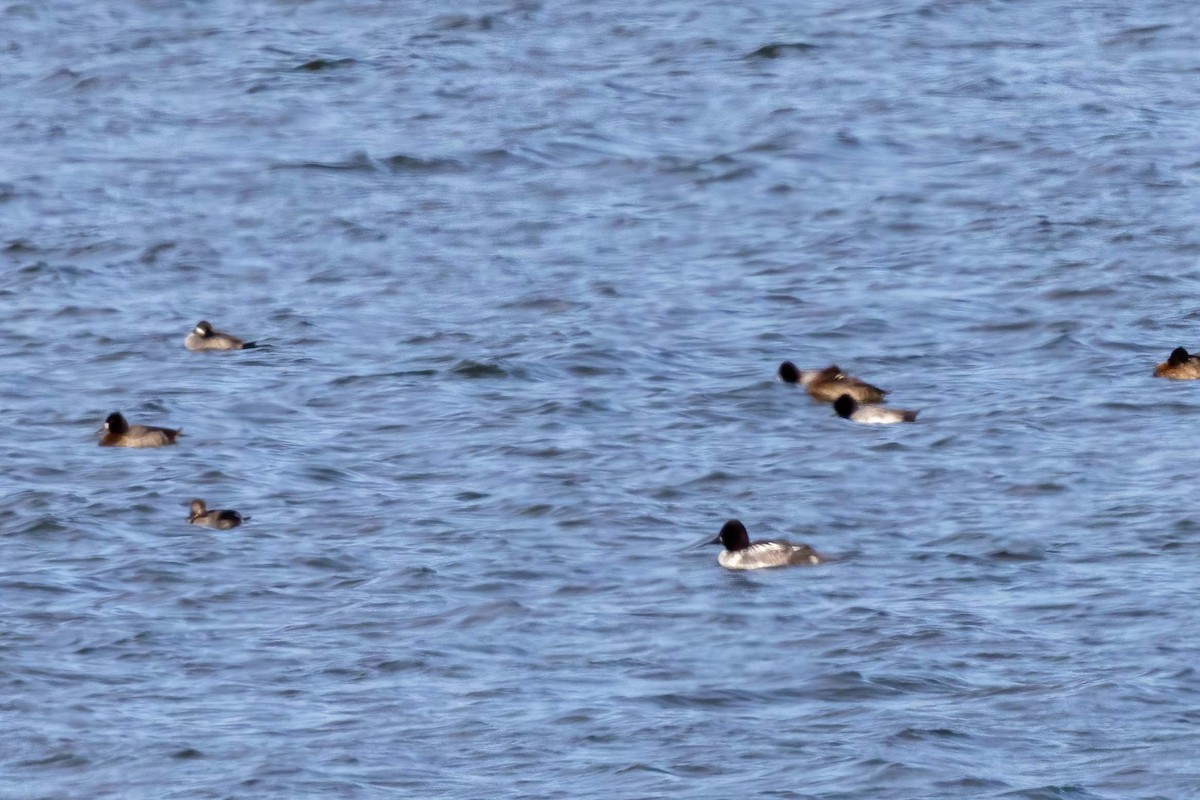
x: 741, y: 553
x: 849, y: 408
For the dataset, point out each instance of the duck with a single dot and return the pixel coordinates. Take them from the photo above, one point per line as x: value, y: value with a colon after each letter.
x: 203, y: 337
x: 830, y: 383
x: 119, y: 433
x: 849, y: 408
x: 221, y: 519
x: 741, y: 553
x: 1179, y: 366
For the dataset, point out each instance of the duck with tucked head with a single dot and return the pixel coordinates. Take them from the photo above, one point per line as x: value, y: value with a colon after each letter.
x: 221, y: 519
x: 1179, y: 366
x: 203, y: 337
x: 849, y: 408
x: 119, y: 433
x: 830, y: 383
x: 741, y: 553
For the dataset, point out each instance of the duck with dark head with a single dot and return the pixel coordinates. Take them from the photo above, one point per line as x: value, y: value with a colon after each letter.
x: 1179, y: 366
x: 117, y: 432
x: 741, y: 553
x: 830, y: 383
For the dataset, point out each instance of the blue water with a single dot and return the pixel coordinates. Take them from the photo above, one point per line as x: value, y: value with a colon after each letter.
x: 526, y: 270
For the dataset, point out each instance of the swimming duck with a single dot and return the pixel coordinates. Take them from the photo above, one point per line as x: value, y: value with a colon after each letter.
x: 849, y: 408
x: 119, y: 433
x: 221, y: 519
x: 203, y: 337
x: 830, y: 383
x: 1179, y: 366
x: 741, y: 553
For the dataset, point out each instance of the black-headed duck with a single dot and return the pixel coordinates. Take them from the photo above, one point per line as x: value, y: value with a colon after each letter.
x: 741, y: 553
x: 1179, y: 366
x: 830, y: 383
x: 849, y: 408
x: 119, y: 433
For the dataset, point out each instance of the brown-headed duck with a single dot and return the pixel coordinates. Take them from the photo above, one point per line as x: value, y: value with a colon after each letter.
x: 221, y: 519
x: 203, y: 337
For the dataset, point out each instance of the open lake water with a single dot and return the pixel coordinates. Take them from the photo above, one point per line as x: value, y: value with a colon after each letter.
x: 526, y: 270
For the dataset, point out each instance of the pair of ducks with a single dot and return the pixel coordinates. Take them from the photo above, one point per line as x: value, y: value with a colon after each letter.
x: 118, y: 432
x: 853, y: 399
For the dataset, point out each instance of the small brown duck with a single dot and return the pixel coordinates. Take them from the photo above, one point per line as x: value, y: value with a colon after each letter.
x: 741, y: 553
x: 119, y: 433
x: 203, y: 337
x: 830, y: 383
x: 849, y: 408
x: 221, y: 519
x: 1179, y: 366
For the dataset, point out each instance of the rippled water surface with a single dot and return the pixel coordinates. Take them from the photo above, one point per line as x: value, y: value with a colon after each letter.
x: 526, y: 270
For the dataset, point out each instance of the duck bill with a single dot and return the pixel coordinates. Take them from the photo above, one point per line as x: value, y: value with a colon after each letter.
x: 707, y: 540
